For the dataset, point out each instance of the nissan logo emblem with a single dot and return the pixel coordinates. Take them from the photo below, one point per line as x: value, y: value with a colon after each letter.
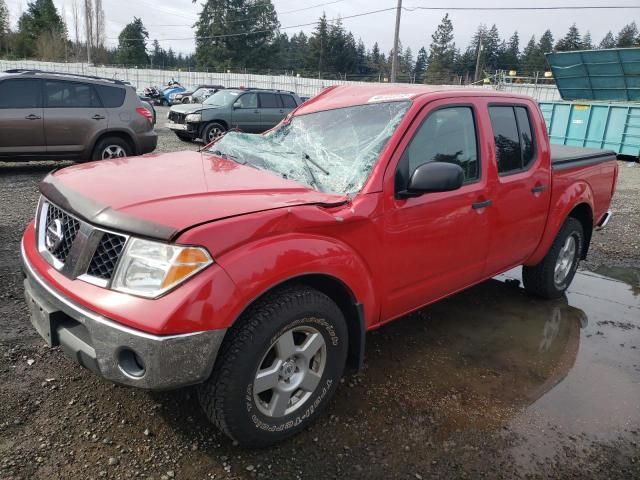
x: 53, y: 237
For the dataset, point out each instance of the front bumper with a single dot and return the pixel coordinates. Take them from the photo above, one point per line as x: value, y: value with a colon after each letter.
x: 118, y: 353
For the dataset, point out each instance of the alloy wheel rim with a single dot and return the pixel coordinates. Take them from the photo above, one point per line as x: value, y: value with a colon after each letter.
x: 290, y: 371
x: 214, y: 133
x: 565, y: 261
x: 113, y: 151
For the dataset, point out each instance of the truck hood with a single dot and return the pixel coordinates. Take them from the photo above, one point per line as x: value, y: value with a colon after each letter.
x: 160, y: 195
x: 192, y: 107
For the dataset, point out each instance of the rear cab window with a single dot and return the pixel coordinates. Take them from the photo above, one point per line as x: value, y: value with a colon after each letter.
x: 513, y: 136
x: 20, y: 93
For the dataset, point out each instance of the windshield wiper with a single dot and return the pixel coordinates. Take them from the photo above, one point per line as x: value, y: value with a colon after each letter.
x: 228, y: 156
x: 309, y: 159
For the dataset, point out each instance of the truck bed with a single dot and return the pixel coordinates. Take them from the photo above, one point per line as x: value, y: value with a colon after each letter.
x: 565, y: 156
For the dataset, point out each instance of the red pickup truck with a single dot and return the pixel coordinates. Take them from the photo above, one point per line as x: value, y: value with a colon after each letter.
x: 255, y: 267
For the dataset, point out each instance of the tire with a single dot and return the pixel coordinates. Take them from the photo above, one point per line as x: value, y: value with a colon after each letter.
x: 111, y: 147
x: 183, y: 137
x: 553, y: 275
x: 211, y: 131
x: 230, y: 397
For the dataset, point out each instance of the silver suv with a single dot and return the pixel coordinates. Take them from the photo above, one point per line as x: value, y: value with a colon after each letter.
x: 75, y: 117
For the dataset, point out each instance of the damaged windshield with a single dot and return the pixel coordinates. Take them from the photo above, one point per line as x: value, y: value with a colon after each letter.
x: 331, y: 150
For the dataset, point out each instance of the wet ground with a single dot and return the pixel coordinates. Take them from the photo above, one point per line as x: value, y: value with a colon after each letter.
x: 489, y: 383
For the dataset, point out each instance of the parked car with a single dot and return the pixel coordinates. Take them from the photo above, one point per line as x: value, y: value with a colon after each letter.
x: 200, y: 92
x: 60, y: 115
x: 173, y: 88
x: 250, y: 110
x: 254, y: 268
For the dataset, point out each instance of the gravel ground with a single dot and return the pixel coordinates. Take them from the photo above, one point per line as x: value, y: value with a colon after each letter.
x: 483, y: 384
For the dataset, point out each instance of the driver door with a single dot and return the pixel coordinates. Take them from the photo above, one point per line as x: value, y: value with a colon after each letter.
x: 435, y: 243
x: 246, y: 114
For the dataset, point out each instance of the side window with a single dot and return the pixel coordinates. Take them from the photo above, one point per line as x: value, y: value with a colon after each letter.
x: 513, y: 135
x: 23, y: 93
x: 248, y: 100
x: 268, y: 100
x: 526, y: 136
x: 112, y: 97
x: 447, y: 135
x: 288, y: 101
x: 70, y: 95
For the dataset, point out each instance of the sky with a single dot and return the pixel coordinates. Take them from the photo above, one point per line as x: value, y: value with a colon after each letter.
x: 172, y: 19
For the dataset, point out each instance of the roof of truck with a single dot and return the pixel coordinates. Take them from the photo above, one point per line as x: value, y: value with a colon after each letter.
x: 340, y: 96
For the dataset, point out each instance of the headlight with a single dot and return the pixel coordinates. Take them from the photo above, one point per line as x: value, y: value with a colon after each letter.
x: 150, y: 269
x: 193, y: 118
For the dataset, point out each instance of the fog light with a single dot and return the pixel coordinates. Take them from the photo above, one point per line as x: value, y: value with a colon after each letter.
x: 131, y: 363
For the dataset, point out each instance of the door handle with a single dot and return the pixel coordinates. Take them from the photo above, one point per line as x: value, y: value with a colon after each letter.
x: 538, y: 188
x: 479, y: 205
x: 32, y: 117
x: 98, y: 117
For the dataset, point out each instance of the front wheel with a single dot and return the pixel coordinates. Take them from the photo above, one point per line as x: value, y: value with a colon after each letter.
x: 553, y: 275
x: 278, y: 368
x: 212, y: 131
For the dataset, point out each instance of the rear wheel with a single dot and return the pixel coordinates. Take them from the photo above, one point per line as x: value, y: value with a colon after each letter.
x: 111, y: 147
x: 212, y: 131
x: 553, y: 275
x: 279, y: 367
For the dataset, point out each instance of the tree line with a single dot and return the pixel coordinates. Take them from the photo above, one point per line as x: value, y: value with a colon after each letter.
x: 245, y: 35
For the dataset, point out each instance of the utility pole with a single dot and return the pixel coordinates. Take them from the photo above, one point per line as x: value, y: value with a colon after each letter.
x: 396, y: 41
x: 477, y: 74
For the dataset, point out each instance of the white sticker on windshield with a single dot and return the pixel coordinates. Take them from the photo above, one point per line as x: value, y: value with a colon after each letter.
x: 391, y: 97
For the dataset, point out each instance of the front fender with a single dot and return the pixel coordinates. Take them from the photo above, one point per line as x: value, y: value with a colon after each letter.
x: 562, y: 204
x: 258, y: 266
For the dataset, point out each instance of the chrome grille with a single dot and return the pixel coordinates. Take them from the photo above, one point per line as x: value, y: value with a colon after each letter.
x: 76, y: 248
x: 69, y: 230
x: 106, y: 256
x: 177, y: 117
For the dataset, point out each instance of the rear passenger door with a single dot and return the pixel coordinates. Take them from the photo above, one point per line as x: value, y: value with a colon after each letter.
x: 521, y: 195
x: 73, y: 116
x: 21, y: 124
x: 271, y: 110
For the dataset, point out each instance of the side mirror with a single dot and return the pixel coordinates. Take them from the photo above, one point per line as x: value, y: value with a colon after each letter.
x: 237, y: 105
x: 434, y: 177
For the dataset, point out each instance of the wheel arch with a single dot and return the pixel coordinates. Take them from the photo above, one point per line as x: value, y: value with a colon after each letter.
x: 584, y: 214
x: 345, y: 299
x: 126, y: 136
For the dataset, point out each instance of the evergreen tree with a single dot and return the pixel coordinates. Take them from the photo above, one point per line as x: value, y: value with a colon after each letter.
x: 319, y: 46
x: 157, y: 55
x: 608, y: 41
x: 40, y: 26
x: 5, y: 32
x: 132, y: 44
x: 218, y: 44
x: 571, y: 41
x: 627, y: 37
x: 546, y: 42
x: 529, y: 58
x: 441, y: 53
x: 362, y: 67
x: 421, y: 65
x: 509, y: 60
x: 492, y: 49
x: 406, y: 63
x: 587, y: 43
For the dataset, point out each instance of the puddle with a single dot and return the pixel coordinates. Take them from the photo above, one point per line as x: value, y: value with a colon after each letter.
x: 630, y: 276
x: 539, y: 376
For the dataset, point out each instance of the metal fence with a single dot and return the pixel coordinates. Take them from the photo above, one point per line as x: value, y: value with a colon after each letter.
x: 142, y: 77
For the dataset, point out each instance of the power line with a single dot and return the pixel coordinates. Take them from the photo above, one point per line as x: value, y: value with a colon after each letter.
x: 409, y: 9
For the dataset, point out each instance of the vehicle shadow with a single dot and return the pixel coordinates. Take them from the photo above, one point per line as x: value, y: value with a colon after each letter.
x: 463, y: 366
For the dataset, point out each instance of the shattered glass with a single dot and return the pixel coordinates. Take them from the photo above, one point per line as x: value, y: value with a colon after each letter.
x: 331, y: 150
